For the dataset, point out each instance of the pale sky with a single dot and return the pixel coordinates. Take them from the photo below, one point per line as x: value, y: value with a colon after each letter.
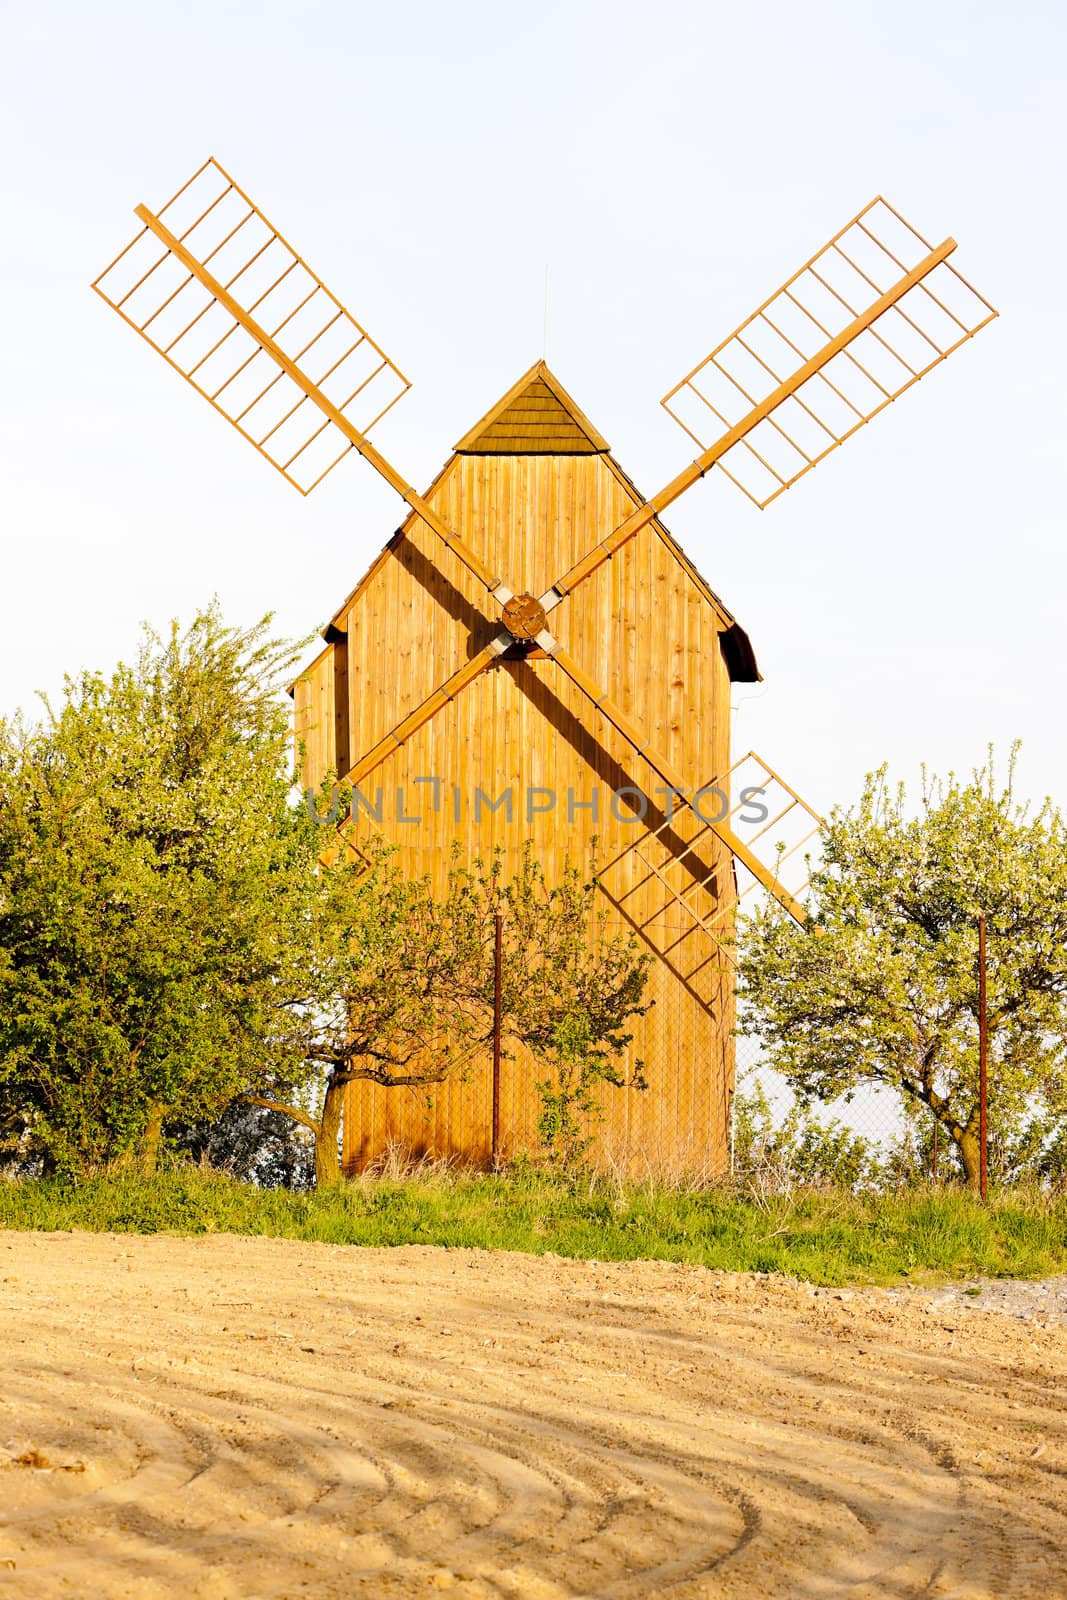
x: 670, y: 165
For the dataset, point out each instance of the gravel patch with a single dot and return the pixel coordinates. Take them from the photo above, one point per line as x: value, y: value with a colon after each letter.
x: 1041, y: 1300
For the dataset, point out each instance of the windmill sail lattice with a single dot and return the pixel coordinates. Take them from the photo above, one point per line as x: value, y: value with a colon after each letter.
x: 890, y: 302
x: 223, y: 296
x: 781, y: 832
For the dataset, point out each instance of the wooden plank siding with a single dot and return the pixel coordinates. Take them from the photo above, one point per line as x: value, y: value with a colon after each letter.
x: 646, y: 629
x: 315, y: 719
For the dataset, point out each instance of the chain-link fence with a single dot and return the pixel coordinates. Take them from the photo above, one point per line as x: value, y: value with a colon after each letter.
x: 869, y: 1137
x: 879, y: 1137
x: 700, y: 1104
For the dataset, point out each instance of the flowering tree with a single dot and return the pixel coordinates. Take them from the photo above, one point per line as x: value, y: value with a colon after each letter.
x: 156, y: 889
x: 881, y: 986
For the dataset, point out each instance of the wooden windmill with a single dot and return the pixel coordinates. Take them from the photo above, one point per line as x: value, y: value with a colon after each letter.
x: 532, y: 655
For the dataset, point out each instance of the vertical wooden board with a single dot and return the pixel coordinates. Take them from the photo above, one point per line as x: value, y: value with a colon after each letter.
x: 361, y: 718
x: 313, y: 718
x: 694, y: 949
x: 527, y: 528
x: 700, y: 713
x: 321, y: 741
x: 471, y: 521
x: 366, y: 694
x: 678, y: 702
x: 302, y: 696
x: 633, y: 618
x: 510, y: 710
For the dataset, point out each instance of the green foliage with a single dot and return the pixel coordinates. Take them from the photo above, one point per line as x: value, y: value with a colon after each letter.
x: 155, y: 883
x: 396, y: 974
x: 171, y: 944
x: 1035, y: 1152
x: 782, y: 1151
x: 822, y: 1235
x: 389, y: 991
x: 881, y: 986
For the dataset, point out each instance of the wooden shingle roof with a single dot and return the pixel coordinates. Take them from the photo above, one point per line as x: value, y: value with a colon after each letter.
x: 536, y: 417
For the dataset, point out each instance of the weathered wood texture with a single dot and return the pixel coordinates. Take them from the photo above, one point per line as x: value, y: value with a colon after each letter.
x: 647, y: 629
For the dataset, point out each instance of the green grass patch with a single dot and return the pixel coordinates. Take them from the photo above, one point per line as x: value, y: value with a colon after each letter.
x: 824, y: 1236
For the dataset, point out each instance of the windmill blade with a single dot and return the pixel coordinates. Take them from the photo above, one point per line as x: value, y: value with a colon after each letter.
x: 871, y: 313
x: 224, y: 298
x: 666, y: 882
x: 783, y: 825
x: 203, y: 279
x: 687, y: 794
x: 861, y: 322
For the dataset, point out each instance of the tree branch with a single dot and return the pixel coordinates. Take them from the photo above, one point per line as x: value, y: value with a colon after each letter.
x: 279, y: 1105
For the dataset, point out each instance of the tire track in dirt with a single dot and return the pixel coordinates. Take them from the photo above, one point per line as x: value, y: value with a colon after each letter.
x: 225, y: 1418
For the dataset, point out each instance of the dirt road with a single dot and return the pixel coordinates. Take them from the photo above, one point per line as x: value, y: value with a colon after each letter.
x: 260, y: 1419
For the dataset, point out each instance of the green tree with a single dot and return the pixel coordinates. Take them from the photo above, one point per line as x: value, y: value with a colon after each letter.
x: 156, y: 889
x: 881, y: 986
x: 391, y: 992
x: 399, y: 990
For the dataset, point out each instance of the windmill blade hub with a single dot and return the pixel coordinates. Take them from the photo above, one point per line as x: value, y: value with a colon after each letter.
x: 524, y: 617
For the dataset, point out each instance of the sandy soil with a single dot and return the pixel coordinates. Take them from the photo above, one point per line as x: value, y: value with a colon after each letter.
x: 231, y: 1417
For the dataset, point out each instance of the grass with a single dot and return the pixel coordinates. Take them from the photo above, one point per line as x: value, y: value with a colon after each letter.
x: 824, y: 1236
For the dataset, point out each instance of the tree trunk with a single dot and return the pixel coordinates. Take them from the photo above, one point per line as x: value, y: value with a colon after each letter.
x: 327, y: 1164
x: 970, y: 1154
x: 150, y: 1140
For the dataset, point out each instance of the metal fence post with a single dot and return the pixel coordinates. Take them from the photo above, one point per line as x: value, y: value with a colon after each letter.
x: 983, y: 1063
x: 498, y: 929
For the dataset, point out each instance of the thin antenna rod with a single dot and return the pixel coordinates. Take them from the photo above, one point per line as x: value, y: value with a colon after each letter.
x: 544, y: 341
